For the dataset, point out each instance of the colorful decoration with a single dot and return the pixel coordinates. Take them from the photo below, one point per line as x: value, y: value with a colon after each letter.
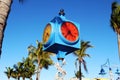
x: 61, y: 36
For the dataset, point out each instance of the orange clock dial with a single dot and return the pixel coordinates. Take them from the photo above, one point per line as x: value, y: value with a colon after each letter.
x: 47, y: 32
x: 69, y: 31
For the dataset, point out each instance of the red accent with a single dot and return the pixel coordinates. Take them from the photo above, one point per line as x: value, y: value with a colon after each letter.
x: 69, y: 31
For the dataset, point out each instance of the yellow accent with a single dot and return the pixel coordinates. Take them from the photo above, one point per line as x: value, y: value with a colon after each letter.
x: 47, y: 33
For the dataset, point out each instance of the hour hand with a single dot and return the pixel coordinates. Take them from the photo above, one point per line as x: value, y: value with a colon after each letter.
x: 66, y: 33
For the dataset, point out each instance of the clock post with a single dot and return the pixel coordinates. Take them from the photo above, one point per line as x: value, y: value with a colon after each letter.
x: 61, y: 36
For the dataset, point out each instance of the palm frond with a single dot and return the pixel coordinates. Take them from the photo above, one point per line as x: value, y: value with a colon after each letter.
x: 114, y: 5
x: 76, y: 63
x: 115, y: 21
x: 115, y: 17
x: 81, y: 53
x: 78, y: 74
x: 84, y: 65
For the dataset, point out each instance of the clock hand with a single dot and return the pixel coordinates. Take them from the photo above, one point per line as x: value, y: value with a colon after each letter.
x: 66, y: 34
x: 73, y: 36
x: 69, y: 36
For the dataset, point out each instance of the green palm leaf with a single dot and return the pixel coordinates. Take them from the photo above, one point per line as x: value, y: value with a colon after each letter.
x: 81, y: 54
x: 115, y: 21
x: 42, y: 58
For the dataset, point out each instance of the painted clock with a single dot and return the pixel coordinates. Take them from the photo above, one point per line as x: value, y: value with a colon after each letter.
x: 47, y: 33
x: 69, y: 31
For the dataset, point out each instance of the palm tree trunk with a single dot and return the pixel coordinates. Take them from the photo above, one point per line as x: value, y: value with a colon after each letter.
x: 118, y: 37
x: 80, y: 77
x: 38, y: 69
x: 38, y: 74
x: 24, y: 78
x: 31, y: 78
x: 4, y: 12
x: 18, y: 78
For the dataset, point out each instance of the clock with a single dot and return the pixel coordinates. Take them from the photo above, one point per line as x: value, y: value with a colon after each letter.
x: 69, y: 31
x: 47, y: 33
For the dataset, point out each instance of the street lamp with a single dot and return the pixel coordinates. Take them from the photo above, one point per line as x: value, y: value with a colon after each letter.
x: 107, y: 64
x: 102, y: 71
x: 117, y: 71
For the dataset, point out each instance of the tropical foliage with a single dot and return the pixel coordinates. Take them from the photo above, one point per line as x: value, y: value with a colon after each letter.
x: 24, y: 69
x: 9, y: 72
x: 40, y: 57
x: 115, y: 21
x: 78, y: 74
x: 33, y: 64
x: 81, y: 54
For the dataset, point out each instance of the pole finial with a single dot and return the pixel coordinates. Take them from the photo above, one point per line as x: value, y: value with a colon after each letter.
x: 61, y: 12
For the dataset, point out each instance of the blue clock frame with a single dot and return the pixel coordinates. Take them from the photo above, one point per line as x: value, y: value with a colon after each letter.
x: 57, y: 43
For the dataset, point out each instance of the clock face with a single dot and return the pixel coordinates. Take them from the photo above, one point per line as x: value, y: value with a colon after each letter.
x: 47, y: 32
x: 69, y: 31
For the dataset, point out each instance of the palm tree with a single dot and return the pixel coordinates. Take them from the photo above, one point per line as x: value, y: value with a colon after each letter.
x: 40, y: 57
x: 5, y: 6
x: 77, y: 74
x: 4, y: 12
x: 81, y: 53
x: 115, y: 21
x: 14, y: 74
x: 24, y: 69
x: 9, y: 72
x: 18, y: 69
x: 28, y: 67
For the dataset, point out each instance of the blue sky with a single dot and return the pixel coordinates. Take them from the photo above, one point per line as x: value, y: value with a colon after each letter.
x: 26, y: 23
